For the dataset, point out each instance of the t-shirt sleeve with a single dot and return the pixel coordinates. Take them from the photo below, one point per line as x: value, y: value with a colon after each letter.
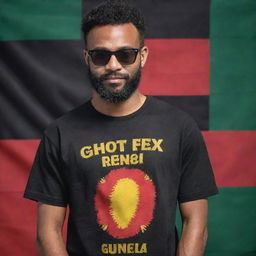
x: 197, y: 178
x: 46, y: 182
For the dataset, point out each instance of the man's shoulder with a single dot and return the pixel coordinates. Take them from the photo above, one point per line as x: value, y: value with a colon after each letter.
x: 164, y: 109
x: 70, y: 119
x: 80, y: 112
x: 168, y: 115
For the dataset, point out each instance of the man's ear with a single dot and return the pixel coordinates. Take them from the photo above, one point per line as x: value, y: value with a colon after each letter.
x: 144, y: 55
x: 86, y: 57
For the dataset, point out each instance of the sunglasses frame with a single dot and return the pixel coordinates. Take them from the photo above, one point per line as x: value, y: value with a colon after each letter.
x: 111, y: 53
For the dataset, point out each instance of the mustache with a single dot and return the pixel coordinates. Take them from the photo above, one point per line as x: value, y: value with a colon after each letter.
x: 115, y: 74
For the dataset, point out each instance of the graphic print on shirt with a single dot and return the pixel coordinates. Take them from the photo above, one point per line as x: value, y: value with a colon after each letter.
x: 112, y: 153
x: 125, y: 197
x: 125, y: 201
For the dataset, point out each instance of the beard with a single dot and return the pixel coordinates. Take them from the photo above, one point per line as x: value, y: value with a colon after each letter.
x: 125, y: 93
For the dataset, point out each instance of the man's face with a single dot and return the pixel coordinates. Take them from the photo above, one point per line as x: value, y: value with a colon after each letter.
x: 115, y: 81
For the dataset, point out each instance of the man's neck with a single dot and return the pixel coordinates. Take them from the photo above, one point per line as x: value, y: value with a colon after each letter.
x: 118, y: 109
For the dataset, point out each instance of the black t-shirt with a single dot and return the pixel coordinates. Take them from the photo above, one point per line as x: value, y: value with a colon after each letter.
x: 122, y: 177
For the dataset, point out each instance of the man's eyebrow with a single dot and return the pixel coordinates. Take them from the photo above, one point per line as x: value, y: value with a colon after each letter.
x: 100, y: 48
x: 121, y: 48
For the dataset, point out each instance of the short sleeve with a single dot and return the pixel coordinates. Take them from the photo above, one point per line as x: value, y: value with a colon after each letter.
x: 46, y: 182
x: 197, y: 178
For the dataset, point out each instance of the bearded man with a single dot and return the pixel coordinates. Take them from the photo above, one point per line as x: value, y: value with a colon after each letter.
x: 122, y: 160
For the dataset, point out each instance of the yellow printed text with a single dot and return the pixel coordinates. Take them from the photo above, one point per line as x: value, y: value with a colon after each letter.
x: 103, y: 148
x: 147, y: 144
x: 122, y: 159
x: 124, y: 248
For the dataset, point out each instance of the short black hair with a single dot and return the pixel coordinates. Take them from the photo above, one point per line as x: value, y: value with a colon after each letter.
x: 114, y: 12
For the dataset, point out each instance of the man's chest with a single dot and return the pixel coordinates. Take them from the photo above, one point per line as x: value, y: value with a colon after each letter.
x: 93, y: 154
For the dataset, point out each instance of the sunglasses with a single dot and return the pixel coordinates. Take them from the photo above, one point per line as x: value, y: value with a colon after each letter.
x: 124, y: 56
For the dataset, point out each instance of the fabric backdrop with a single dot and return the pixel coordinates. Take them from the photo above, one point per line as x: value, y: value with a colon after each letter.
x: 202, y: 59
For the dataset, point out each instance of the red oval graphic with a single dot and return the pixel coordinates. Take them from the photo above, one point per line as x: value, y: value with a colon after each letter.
x: 125, y: 201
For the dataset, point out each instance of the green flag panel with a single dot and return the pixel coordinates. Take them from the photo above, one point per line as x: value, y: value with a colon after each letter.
x: 234, y: 18
x: 232, y: 226
x: 232, y: 74
x: 35, y: 19
x: 233, y: 111
x: 233, y: 65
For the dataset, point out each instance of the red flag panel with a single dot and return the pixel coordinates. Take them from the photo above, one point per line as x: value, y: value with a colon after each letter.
x: 17, y: 224
x: 176, y: 67
x: 16, y: 159
x: 232, y: 154
x: 18, y: 215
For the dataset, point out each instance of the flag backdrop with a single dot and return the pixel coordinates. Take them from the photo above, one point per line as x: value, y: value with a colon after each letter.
x: 202, y: 59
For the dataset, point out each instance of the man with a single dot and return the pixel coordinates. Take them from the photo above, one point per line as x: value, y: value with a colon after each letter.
x: 122, y: 160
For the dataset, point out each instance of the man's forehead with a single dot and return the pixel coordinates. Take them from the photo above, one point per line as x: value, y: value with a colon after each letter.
x: 113, y: 36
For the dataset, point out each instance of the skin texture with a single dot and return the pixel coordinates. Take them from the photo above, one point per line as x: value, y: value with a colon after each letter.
x: 51, y: 218
x: 194, y: 228
x: 50, y: 221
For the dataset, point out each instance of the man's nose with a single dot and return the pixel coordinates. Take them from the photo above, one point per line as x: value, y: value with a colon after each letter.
x: 113, y: 64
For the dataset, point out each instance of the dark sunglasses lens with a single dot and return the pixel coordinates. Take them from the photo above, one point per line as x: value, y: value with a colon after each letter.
x: 124, y: 56
x: 127, y: 56
x: 100, y: 58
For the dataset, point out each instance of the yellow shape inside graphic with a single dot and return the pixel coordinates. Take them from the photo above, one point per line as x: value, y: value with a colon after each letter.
x: 124, y: 201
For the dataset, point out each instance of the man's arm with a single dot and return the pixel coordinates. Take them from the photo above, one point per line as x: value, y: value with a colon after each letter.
x: 194, y: 228
x: 49, y: 230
